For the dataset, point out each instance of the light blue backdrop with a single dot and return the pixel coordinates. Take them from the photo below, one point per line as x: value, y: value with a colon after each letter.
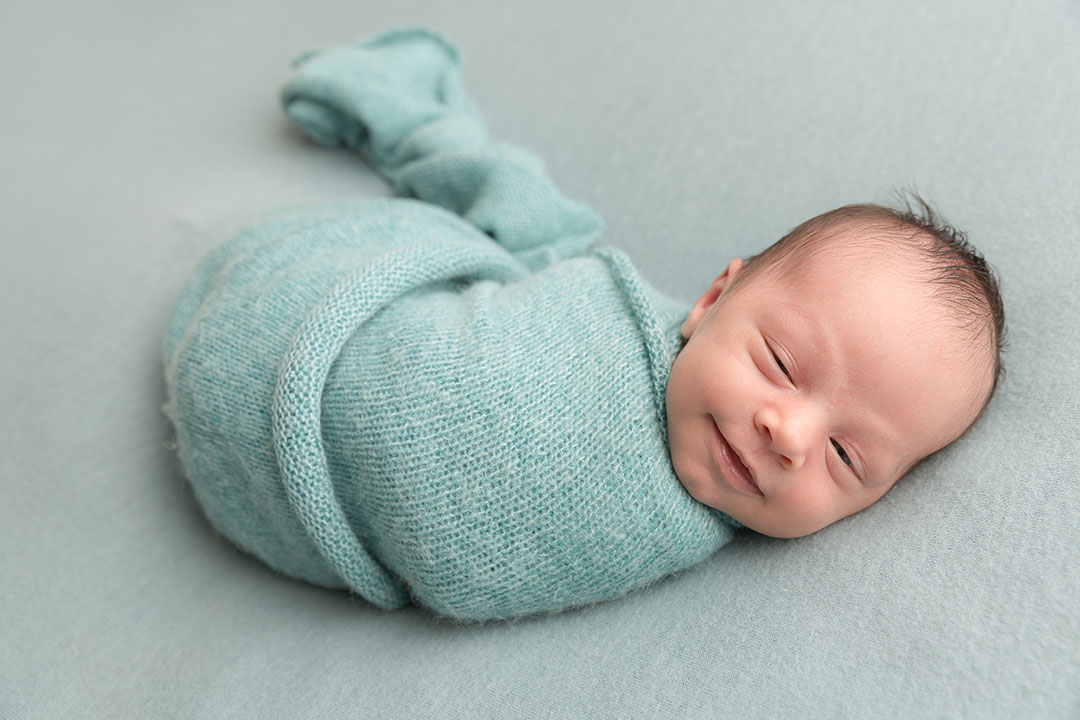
x: 136, y: 136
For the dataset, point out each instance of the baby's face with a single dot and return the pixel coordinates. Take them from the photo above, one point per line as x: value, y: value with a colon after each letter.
x: 800, y: 400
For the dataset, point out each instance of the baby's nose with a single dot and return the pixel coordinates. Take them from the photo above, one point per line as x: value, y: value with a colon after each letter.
x: 785, y: 435
x: 792, y: 460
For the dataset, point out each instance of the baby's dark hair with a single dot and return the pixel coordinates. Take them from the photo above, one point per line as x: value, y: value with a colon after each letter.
x: 961, y: 278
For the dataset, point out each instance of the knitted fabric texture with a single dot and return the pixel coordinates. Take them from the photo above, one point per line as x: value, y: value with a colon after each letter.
x: 454, y: 399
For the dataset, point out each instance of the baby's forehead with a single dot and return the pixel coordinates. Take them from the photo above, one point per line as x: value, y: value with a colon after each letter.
x: 857, y: 282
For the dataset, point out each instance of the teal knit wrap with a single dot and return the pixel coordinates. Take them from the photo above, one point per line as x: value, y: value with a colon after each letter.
x: 453, y: 399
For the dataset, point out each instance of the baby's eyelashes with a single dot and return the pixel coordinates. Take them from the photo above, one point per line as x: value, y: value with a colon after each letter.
x: 780, y: 364
x: 842, y: 453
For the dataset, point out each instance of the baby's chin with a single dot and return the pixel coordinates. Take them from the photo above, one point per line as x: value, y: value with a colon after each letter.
x: 783, y: 529
x: 786, y: 534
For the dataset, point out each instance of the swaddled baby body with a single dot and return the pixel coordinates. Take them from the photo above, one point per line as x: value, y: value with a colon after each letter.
x: 457, y: 400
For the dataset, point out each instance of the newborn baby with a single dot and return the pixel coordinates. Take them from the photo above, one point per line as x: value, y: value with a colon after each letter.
x: 458, y: 400
x: 818, y: 373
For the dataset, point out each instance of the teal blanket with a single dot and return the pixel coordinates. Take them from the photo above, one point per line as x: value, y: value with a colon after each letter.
x: 452, y: 398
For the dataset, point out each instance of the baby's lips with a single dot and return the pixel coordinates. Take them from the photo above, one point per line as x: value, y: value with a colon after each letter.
x: 749, y: 472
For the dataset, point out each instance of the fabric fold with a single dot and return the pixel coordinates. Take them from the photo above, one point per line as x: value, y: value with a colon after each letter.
x: 297, y: 402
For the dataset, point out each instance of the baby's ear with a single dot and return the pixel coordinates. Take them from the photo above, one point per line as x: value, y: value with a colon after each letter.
x: 709, y: 298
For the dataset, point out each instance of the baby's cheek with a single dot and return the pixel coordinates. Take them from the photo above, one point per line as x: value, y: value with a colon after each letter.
x: 811, y: 508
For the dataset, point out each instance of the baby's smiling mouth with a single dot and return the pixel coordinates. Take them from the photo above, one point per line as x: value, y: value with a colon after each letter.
x: 739, y: 476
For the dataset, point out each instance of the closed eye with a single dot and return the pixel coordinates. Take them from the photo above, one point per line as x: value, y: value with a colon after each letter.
x: 781, y: 365
x: 842, y: 453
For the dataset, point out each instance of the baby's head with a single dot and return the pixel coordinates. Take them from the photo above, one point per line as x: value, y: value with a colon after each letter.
x: 816, y: 374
